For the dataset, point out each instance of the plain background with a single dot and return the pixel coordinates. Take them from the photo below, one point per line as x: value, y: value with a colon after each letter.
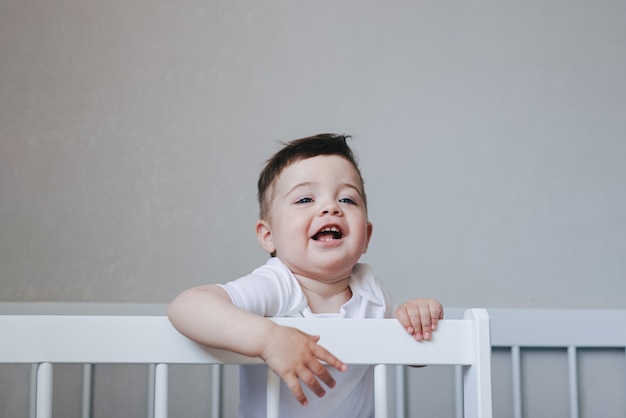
x: 491, y: 135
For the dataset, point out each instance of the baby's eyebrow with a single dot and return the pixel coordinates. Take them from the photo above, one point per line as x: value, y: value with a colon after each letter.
x: 313, y: 184
x: 353, y: 187
x: 299, y: 186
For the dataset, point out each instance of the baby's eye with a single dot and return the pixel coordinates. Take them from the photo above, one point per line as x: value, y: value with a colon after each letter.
x: 347, y: 200
x: 304, y: 200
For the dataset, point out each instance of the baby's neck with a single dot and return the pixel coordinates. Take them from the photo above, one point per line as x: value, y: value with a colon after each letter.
x: 325, y: 297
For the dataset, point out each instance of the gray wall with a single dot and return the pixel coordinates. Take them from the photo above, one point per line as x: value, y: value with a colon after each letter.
x: 491, y: 136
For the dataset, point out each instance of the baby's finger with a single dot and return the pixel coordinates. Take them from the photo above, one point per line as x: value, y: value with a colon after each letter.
x: 293, y: 384
x: 436, y: 313
x: 424, y: 323
x: 322, y: 373
x: 326, y: 356
x: 308, y: 378
x: 405, y: 321
x: 414, y: 315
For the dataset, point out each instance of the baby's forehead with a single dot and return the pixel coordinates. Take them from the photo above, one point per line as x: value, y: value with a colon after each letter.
x: 307, y: 170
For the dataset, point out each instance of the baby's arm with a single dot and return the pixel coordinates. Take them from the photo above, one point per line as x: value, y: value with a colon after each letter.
x: 207, y: 315
x: 419, y: 317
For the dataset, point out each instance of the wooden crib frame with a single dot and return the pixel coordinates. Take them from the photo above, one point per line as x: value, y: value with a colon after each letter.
x: 43, y: 340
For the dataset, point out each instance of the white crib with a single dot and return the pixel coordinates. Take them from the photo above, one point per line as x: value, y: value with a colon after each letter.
x: 567, y: 332
x: 572, y: 339
x: 43, y: 340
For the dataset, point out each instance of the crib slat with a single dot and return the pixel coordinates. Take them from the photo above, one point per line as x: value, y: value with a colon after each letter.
x: 151, y: 389
x: 273, y: 394
x: 216, y: 390
x: 517, y: 381
x: 572, y: 366
x: 401, y: 385
x: 458, y: 391
x: 380, y: 391
x: 160, y: 391
x: 44, y: 391
x: 86, y: 401
x: 32, y: 393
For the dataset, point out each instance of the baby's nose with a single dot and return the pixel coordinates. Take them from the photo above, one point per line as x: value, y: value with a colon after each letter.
x: 331, y: 208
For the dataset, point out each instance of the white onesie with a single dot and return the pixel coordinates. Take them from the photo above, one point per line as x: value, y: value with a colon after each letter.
x: 273, y: 291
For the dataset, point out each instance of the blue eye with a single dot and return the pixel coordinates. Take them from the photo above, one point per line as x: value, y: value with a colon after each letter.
x: 347, y: 200
x: 304, y: 200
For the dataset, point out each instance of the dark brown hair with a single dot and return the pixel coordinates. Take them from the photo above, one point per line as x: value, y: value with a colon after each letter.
x: 302, y: 149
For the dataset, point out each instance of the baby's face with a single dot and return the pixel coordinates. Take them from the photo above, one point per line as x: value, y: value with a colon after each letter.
x: 318, y: 221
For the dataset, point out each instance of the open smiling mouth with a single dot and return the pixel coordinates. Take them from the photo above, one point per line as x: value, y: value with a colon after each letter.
x: 328, y: 233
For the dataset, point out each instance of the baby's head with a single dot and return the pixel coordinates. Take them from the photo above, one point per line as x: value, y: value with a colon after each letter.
x: 297, y: 150
x: 313, y: 208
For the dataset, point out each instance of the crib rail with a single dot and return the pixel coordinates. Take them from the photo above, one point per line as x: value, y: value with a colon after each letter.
x: 47, y: 339
x: 518, y: 336
x: 568, y: 329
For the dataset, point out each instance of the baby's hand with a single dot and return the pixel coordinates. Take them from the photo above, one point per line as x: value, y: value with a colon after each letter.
x: 295, y: 356
x: 419, y: 317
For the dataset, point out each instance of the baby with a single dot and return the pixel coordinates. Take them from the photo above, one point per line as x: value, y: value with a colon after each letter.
x: 314, y: 223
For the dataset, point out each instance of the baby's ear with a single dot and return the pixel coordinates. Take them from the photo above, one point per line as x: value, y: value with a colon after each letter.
x: 370, y: 229
x: 264, y: 235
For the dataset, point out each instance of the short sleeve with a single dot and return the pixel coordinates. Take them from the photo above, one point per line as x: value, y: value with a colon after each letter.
x: 270, y: 290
